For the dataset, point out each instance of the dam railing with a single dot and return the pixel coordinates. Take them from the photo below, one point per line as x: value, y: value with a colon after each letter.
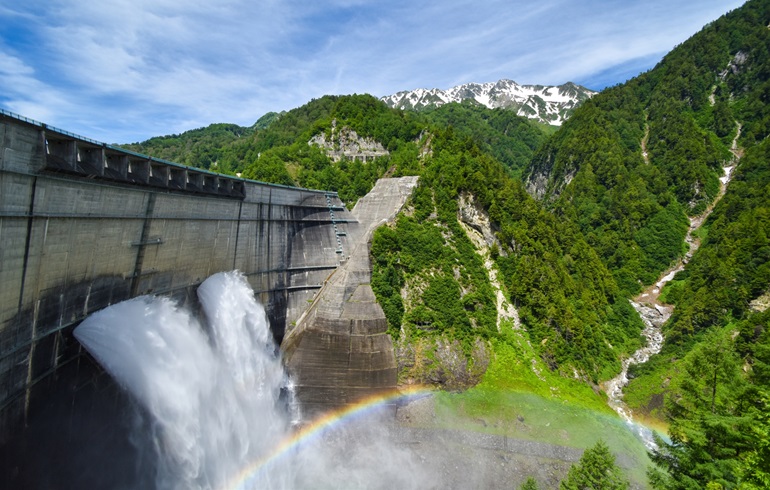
x: 73, y: 153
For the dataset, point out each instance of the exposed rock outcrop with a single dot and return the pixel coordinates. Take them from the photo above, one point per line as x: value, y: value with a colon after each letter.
x: 478, y: 227
x: 541, y: 184
x: 475, y: 217
x: 761, y: 303
x: 441, y: 362
x: 346, y: 143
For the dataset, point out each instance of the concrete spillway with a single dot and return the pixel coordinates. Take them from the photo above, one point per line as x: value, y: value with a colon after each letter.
x: 84, y: 225
x: 340, y: 351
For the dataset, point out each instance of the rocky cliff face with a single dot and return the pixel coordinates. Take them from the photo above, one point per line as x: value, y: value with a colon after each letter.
x: 346, y: 143
x: 441, y: 362
x: 475, y: 217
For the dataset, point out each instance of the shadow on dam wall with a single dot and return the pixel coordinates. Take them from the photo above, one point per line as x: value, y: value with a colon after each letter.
x: 85, y: 225
x: 79, y: 435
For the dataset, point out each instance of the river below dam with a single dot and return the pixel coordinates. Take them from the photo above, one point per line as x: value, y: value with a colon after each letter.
x: 654, y: 313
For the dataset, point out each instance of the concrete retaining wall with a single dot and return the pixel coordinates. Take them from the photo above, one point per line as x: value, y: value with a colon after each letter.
x: 84, y: 225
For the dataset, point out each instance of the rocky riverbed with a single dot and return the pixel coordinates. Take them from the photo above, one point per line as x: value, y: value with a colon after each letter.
x: 654, y: 313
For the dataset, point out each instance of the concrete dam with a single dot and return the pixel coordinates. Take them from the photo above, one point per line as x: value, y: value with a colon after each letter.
x: 84, y: 225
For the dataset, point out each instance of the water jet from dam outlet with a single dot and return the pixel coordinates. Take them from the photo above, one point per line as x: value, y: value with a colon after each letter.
x: 214, y: 406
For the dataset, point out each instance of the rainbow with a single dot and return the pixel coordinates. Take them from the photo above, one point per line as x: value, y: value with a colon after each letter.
x: 321, y: 425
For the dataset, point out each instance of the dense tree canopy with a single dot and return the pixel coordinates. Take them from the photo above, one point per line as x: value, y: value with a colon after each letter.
x: 572, y: 308
x: 501, y: 133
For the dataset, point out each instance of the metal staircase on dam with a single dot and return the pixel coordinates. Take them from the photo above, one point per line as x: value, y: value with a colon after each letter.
x: 337, y: 232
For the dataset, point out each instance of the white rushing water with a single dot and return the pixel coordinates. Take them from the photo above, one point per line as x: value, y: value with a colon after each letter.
x: 653, y: 319
x: 212, y: 413
x: 211, y: 394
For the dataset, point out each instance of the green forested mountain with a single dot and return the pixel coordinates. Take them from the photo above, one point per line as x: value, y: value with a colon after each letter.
x: 574, y: 312
x: 713, y: 368
x: 509, y: 138
x: 207, y: 147
x: 579, y: 221
x: 275, y: 149
x: 635, y: 160
x: 629, y: 168
x: 576, y: 316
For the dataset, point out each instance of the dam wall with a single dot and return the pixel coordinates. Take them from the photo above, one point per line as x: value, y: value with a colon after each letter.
x: 84, y: 225
x: 340, y: 352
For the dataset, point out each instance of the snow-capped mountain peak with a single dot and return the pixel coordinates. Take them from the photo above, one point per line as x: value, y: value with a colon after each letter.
x: 548, y: 104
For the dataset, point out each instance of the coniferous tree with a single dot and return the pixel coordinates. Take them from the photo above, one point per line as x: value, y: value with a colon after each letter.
x: 718, y: 416
x: 596, y: 470
x: 755, y: 465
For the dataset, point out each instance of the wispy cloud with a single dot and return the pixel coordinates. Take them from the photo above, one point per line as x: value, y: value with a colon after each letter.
x: 125, y: 70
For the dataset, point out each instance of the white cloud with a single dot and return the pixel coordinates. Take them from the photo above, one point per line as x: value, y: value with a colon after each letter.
x: 125, y: 70
x: 24, y: 94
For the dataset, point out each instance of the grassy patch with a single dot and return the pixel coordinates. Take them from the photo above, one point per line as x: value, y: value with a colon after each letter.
x: 515, y: 366
x: 533, y: 417
x: 522, y: 399
x: 644, y: 393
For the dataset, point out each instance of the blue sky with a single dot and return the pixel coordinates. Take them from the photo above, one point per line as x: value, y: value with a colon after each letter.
x: 121, y: 71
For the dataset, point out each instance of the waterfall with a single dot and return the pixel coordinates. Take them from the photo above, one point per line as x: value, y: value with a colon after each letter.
x: 208, y: 389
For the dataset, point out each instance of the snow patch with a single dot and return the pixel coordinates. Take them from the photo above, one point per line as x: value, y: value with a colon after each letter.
x: 549, y: 104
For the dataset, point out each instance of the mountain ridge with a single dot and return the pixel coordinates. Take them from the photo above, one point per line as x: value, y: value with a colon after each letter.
x: 549, y: 104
